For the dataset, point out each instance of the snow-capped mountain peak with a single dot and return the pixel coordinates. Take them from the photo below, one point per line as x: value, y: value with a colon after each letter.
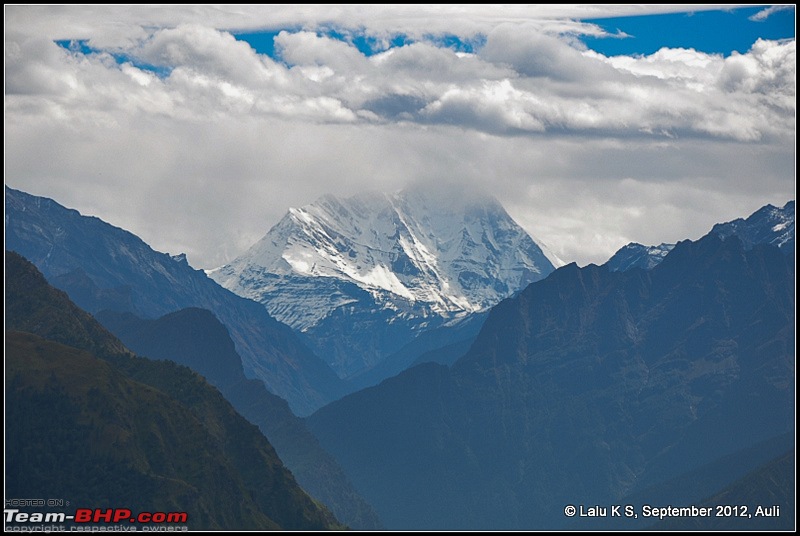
x: 403, y: 244
x: 422, y: 254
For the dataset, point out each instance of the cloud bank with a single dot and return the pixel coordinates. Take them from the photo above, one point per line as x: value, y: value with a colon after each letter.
x: 162, y: 122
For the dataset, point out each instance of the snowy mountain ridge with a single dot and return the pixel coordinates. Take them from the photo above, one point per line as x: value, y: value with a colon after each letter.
x: 421, y: 256
x: 415, y: 247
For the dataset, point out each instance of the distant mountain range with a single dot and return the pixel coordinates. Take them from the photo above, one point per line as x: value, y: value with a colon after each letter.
x: 768, y: 225
x: 585, y: 388
x: 110, y: 271
x: 104, y: 267
x: 363, y: 276
x: 89, y: 422
x: 590, y: 385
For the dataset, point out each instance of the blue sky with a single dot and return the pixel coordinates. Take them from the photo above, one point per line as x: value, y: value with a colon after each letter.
x: 719, y: 32
x: 714, y: 32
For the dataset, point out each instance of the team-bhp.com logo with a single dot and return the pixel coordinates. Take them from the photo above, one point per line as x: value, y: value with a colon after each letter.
x: 116, y: 515
x: 95, y: 516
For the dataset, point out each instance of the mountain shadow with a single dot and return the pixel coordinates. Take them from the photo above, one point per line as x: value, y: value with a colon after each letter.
x: 88, y: 421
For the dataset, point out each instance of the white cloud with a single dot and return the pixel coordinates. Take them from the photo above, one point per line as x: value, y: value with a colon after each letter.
x: 588, y: 152
x: 123, y: 25
x: 768, y: 68
x: 493, y: 107
x: 533, y: 53
x: 765, y: 13
x: 207, y: 51
x: 34, y: 66
x: 423, y: 61
x: 307, y: 48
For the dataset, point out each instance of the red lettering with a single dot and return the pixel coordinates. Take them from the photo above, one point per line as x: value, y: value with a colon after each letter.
x: 106, y: 516
x: 83, y: 515
x: 121, y: 514
x: 177, y: 517
x: 116, y: 515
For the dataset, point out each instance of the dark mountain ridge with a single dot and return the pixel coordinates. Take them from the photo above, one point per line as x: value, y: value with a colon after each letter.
x: 585, y: 387
x: 768, y: 225
x: 90, y: 422
x: 195, y: 338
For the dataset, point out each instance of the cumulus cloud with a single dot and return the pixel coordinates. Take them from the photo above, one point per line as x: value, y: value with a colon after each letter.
x: 176, y: 130
x: 536, y: 54
x: 520, y: 81
x: 768, y: 68
x: 208, y: 51
x: 308, y: 48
